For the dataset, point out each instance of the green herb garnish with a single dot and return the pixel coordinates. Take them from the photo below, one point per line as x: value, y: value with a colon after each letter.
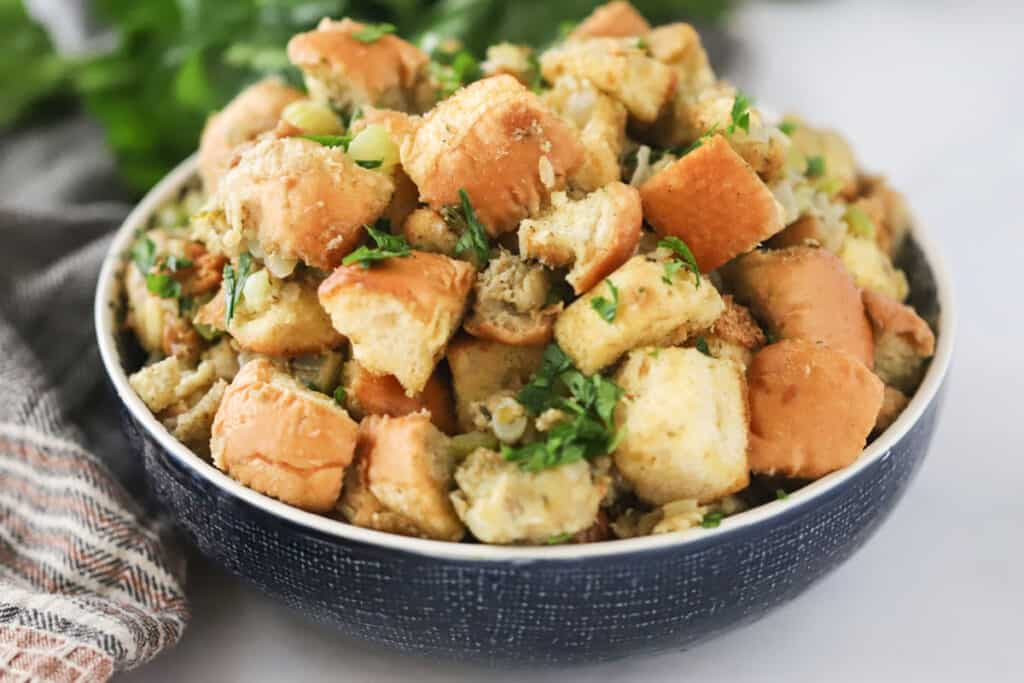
x: 144, y: 255
x: 815, y: 167
x: 740, y: 114
x: 535, y: 77
x: 607, y: 308
x: 683, y: 252
x: 174, y: 264
x: 234, y: 284
x: 683, y: 151
x: 558, y: 539
x: 474, y: 239
x: 388, y: 246
x: 454, y: 70
x: 712, y: 520
x: 329, y: 140
x: 370, y: 163
x: 780, y: 494
x: 702, y: 346
x: 788, y: 127
x: 163, y: 285
x: 641, y: 44
x: 339, y: 396
x: 371, y: 33
x: 860, y: 223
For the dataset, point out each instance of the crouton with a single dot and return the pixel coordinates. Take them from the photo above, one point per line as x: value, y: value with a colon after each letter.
x: 600, y: 121
x: 427, y: 230
x: 510, y: 59
x: 592, y: 236
x: 169, y: 381
x: 301, y: 200
x: 402, y: 479
x: 147, y: 313
x: 399, y: 314
x: 193, y: 427
x: 804, y: 293
x: 650, y: 312
x: 872, y: 269
x: 894, y: 402
x: 510, y: 303
x: 713, y: 201
x: 370, y: 394
x: 805, y: 231
x: 497, y: 141
x: 894, y: 223
x: 735, y: 335
x: 684, y: 416
x: 501, y: 503
x: 279, y: 438
x: 274, y: 317
x: 903, y: 341
x: 341, y: 69
x: 679, y: 46
x: 618, y: 68
x: 840, y: 165
x: 617, y: 19
x: 811, y: 409
x: 481, y: 368
x: 255, y: 110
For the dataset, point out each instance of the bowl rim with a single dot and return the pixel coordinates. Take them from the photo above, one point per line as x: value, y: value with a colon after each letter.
x: 106, y: 324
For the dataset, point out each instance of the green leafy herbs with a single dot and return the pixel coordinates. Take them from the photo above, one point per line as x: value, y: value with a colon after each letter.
x: 815, y: 167
x: 174, y: 263
x: 534, y: 75
x: 161, y: 282
x: 607, y: 308
x: 559, y: 539
x: 712, y: 519
x: 371, y: 33
x: 339, y: 396
x: 641, y: 44
x: 144, y: 255
x: 859, y: 222
x: 788, y: 127
x: 740, y: 114
x: 589, y: 403
x: 388, y: 246
x: 780, y: 494
x: 369, y: 163
x: 682, y: 258
x: 163, y: 285
x: 234, y: 284
x: 330, y: 140
x: 474, y: 238
x: 453, y: 69
x: 702, y: 346
x: 683, y: 151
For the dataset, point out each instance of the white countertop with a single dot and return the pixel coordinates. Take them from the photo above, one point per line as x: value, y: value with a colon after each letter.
x: 933, y: 94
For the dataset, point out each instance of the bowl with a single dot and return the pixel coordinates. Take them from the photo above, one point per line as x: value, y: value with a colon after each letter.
x: 528, y: 605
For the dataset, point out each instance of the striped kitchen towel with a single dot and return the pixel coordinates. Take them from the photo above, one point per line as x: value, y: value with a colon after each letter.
x: 90, y: 580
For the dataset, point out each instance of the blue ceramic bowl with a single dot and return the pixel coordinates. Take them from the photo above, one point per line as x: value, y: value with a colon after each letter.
x: 548, y: 605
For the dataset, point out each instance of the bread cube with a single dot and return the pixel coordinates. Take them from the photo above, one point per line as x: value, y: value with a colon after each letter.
x: 427, y: 230
x: 617, y: 19
x: 872, y: 269
x: 894, y: 402
x: 510, y: 303
x: 735, y: 335
x: 840, y: 164
x: 903, y: 341
x: 679, y: 46
x: 369, y: 394
x: 481, y: 368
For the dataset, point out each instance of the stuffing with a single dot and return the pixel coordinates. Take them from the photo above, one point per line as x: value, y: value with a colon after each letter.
x: 279, y: 438
x: 370, y: 394
x: 510, y: 59
x: 735, y: 335
x: 840, y: 165
x: 804, y: 293
x: 348, y: 72
x: 591, y: 236
x: 650, y: 312
x: 894, y: 402
x: 224, y: 359
x: 903, y: 341
x: 482, y: 368
x: 402, y: 479
x: 679, y: 515
x: 679, y: 46
x: 194, y: 426
x: 497, y: 141
x: 684, y: 416
x: 713, y: 201
x: 811, y: 409
x: 147, y: 313
x: 427, y: 230
x: 617, y: 67
x: 501, y: 503
x: 617, y: 19
x: 892, y: 218
x: 510, y: 303
x: 300, y: 200
x: 398, y: 124
x: 872, y: 269
x: 399, y: 314
x: 169, y: 381
x: 600, y: 122
x: 255, y: 110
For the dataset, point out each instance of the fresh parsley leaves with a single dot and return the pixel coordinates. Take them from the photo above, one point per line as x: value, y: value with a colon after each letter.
x: 234, y: 282
x: 559, y: 539
x: 370, y: 163
x: 683, y: 252
x: 607, y: 308
x: 683, y: 151
x: 163, y: 285
x: 702, y: 346
x: 712, y: 520
x: 144, y: 255
x: 474, y: 239
x: 162, y: 282
x: 339, y: 396
x: 788, y: 127
x: 371, y: 33
x: 780, y: 494
x: 740, y: 114
x: 329, y: 140
x: 174, y: 264
x: 815, y: 167
x: 388, y: 246
x: 452, y: 70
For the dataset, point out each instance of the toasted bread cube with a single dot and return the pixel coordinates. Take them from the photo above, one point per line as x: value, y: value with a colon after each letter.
x: 497, y: 141
x: 255, y: 110
x: 168, y: 381
x: 370, y: 394
x: 482, y: 368
x: 872, y: 269
x: 650, y: 312
x: 400, y: 313
x: 301, y: 200
x: 279, y: 438
x: 679, y: 46
x: 903, y: 341
x: 618, y: 68
x: 894, y: 402
x: 804, y: 293
x: 839, y: 161
x: 713, y: 201
x: 194, y: 427
x: 593, y: 235
x: 600, y: 121
x: 811, y: 409
x: 347, y: 72
x: 735, y: 335
x: 510, y: 303
x: 510, y: 59
x: 617, y: 19
x: 402, y: 479
x: 427, y: 230
x: 684, y: 416
x: 501, y: 503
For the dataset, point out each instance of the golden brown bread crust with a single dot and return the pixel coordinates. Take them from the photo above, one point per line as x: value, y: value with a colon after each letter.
x: 889, y: 316
x: 811, y: 409
x: 499, y: 142
x: 804, y: 293
x: 281, y: 439
x: 426, y: 230
x: 679, y: 46
x: 617, y: 19
x: 255, y: 110
x: 303, y: 200
x: 369, y: 394
x: 510, y: 302
x: 801, y: 232
x: 713, y: 201
x: 893, y: 404
x: 481, y: 368
x: 737, y: 326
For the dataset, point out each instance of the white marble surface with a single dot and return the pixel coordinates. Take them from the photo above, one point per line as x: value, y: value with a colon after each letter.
x: 931, y: 92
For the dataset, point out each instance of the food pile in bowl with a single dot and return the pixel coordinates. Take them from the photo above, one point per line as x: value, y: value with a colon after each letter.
x: 559, y: 297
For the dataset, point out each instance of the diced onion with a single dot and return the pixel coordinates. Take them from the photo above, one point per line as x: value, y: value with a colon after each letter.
x: 374, y: 143
x: 279, y: 266
x: 508, y: 420
x: 256, y: 289
x: 312, y: 118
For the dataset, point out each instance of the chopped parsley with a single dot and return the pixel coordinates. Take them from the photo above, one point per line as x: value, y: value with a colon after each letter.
x: 452, y: 70
x: 162, y: 282
x: 780, y: 494
x: 712, y: 520
x: 144, y: 255
x: 388, y: 246
x: 534, y: 74
x: 174, y: 264
x: 683, y: 151
x: 163, y: 285
x: 329, y: 140
x: 607, y: 308
x: 702, y: 346
x: 474, y: 239
x: 641, y: 44
x: 788, y: 127
x: 559, y: 539
x: 371, y: 33
x: 370, y: 163
x: 339, y: 396
x: 815, y: 167
x: 740, y: 114
x: 234, y: 284
x: 682, y: 252
x: 312, y: 386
